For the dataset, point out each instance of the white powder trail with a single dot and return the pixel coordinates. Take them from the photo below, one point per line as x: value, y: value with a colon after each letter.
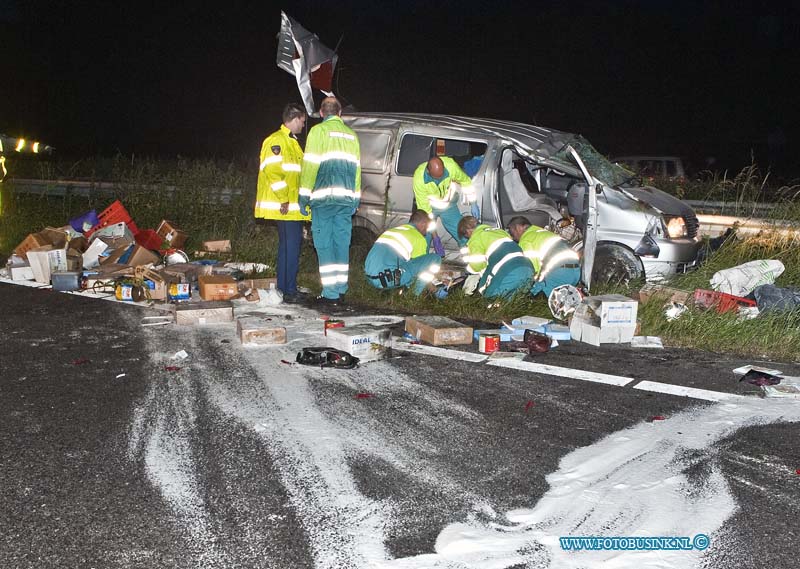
x: 631, y: 483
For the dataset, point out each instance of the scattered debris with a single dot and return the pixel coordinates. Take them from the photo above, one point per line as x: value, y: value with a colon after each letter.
x: 181, y: 355
x: 744, y: 369
x: 656, y: 418
x: 327, y: 357
x: 771, y: 298
x: 364, y: 341
x: 674, y: 310
x: 438, y: 330
x: 743, y: 279
x: 760, y: 378
x: 788, y: 387
x: 606, y: 319
x: 80, y: 361
x: 528, y: 405
x: 119, y: 375
x: 563, y: 301
x: 256, y: 331
x: 172, y: 368
x: 364, y: 395
x: 646, y: 342
x: 720, y: 301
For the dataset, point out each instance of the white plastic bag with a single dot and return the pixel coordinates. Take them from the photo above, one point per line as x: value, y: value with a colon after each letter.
x: 271, y: 296
x: 743, y: 279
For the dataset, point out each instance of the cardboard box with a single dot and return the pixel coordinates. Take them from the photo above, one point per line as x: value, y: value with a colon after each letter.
x: 201, y: 313
x: 141, y: 256
x: 32, y: 241
x: 217, y: 287
x: 663, y: 293
x: 255, y: 284
x: 438, y: 330
x: 91, y: 257
x: 39, y: 260
x: 260, y: 332
x: 222, y: 246
x: 115, y: 231
x: 115, y: 242
x: 21, y: 272
x: 187, y: 272
x: 605, y: 319
x: 171, y: 234
x: 363, y: 341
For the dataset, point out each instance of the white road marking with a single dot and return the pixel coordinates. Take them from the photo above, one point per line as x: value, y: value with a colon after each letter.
x: 440, y: 352
x: 684, y: 391
x: 545, y: 369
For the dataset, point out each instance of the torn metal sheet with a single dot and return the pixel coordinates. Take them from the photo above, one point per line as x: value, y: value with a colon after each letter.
x: 302, y: 54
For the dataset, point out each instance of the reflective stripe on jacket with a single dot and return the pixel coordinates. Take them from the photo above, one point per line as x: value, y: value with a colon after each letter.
x: 545, y: 249
x: 406, y: 241
x: 481, y: 245
x: 279, y: 177
x: 331, y: 173
x: 439, y: 195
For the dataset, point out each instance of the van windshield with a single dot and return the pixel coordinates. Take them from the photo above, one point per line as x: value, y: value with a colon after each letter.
x: 598, y: 165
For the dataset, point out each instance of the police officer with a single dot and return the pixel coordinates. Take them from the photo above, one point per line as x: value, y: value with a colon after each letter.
x: 278, y: 195
x: 330, y: 184
x: 400, y: 255
x: 554, y: 262
x: 436, y: 194
x: 492, y: 254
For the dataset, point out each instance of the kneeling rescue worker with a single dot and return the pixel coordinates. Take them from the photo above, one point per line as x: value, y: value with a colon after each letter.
x: 554, y: 262
x: 494, y: 255
x: 400, y: 256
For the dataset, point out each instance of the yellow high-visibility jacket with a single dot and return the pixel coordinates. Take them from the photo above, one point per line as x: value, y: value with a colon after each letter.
x: 279, y: 177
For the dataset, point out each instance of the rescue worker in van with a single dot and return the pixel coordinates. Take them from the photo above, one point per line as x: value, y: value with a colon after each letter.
x: 330, y: 184
x: 400, y: 257
x: 492, y: 254
x: 554, y: 262
x: 278, y: 194
x: 436, y: 195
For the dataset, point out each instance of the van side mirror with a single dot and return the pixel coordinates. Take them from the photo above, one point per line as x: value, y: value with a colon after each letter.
x: 598, y: 189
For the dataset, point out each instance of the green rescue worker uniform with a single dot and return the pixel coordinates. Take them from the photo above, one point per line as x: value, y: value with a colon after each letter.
x: 500, y: 262
x: 406, y: 249
x: 438, y: 198
x: 330, y: 184
x: 555, y: 263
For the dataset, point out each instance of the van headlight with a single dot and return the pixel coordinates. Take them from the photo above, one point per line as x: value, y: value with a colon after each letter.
x: 676, y: 227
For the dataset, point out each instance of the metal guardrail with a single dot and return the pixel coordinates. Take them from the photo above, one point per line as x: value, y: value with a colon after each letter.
x: 87, y: 188
x: 717, y: 207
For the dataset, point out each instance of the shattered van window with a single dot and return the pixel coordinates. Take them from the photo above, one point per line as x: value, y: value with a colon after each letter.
x: 598, y: 165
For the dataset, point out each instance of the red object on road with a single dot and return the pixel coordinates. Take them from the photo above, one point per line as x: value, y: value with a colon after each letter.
x: 528, y: 405
x: 80, y: 361
x: 364, y: 395
x: 172, y: 368
x: 657, y: 418
x: 285, y: 362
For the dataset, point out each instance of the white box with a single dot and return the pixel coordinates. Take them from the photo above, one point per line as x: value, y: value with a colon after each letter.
x: 40, y: 264
x: 92, y: 254
x: 363, y: 341
x: 605, y: 319
x: 21, y: 272
x: 58, y: 260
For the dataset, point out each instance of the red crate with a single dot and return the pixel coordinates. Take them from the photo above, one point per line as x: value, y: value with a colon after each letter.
x: 115, y: 213
x: 720, y: 301
x: 149, y: 239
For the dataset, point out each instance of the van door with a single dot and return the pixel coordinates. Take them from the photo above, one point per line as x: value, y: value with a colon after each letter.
x: 590, y: 233
x: 519, y: 191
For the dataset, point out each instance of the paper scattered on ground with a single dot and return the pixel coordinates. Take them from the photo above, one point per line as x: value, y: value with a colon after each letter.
x: 744, y: 369
x: 646, y: 342
x: 788, y: 387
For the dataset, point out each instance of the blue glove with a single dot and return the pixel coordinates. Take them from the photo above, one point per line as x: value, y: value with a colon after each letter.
x: 437, y: 246
x: 475, y: 210
x: 355, y: 209
x: 441, y: 293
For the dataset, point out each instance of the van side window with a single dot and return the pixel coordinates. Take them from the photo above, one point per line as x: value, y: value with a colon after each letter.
x: 416, y: 149
x: 374, y: 150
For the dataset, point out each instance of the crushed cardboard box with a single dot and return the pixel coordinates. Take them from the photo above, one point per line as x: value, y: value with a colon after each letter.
x: 260, y: 332
x: 438, y: 330
x: 605, y: 319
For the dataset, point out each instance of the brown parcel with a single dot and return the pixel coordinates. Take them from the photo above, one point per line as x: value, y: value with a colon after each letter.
x: 203, y: 313
x: 172, y: 235
x: 260, y: 332
x: 438, y: 330
x: 217, y: 287
x: 221, y: 246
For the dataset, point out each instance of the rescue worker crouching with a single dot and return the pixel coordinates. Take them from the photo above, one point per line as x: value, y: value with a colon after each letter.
x: 435, y: 183
x: 400, y: 257
x: 492, y: 254
x: 554, y: 262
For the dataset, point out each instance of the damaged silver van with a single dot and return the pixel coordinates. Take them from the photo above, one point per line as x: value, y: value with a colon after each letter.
x: 555, y: 179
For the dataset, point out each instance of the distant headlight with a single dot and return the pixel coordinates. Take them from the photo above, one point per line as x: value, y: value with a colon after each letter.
x: 676, y: 227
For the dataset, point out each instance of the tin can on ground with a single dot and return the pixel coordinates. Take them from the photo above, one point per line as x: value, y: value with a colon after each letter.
x: 179, y: 291
x: 129, y: 292
x: 333, y: 324
x: 488, y: 343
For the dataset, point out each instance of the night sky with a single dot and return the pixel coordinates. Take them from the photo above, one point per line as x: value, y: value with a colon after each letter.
x: 689, y: 78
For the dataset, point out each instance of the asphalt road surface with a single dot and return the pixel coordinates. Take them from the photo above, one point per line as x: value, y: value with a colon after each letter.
x: 114, y: 454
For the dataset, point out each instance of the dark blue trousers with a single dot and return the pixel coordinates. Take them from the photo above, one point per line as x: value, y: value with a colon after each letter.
x: 290, y: 237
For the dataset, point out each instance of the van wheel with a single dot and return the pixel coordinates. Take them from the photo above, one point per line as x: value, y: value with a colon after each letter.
x: 615, y: 264
x: 361, y: 242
